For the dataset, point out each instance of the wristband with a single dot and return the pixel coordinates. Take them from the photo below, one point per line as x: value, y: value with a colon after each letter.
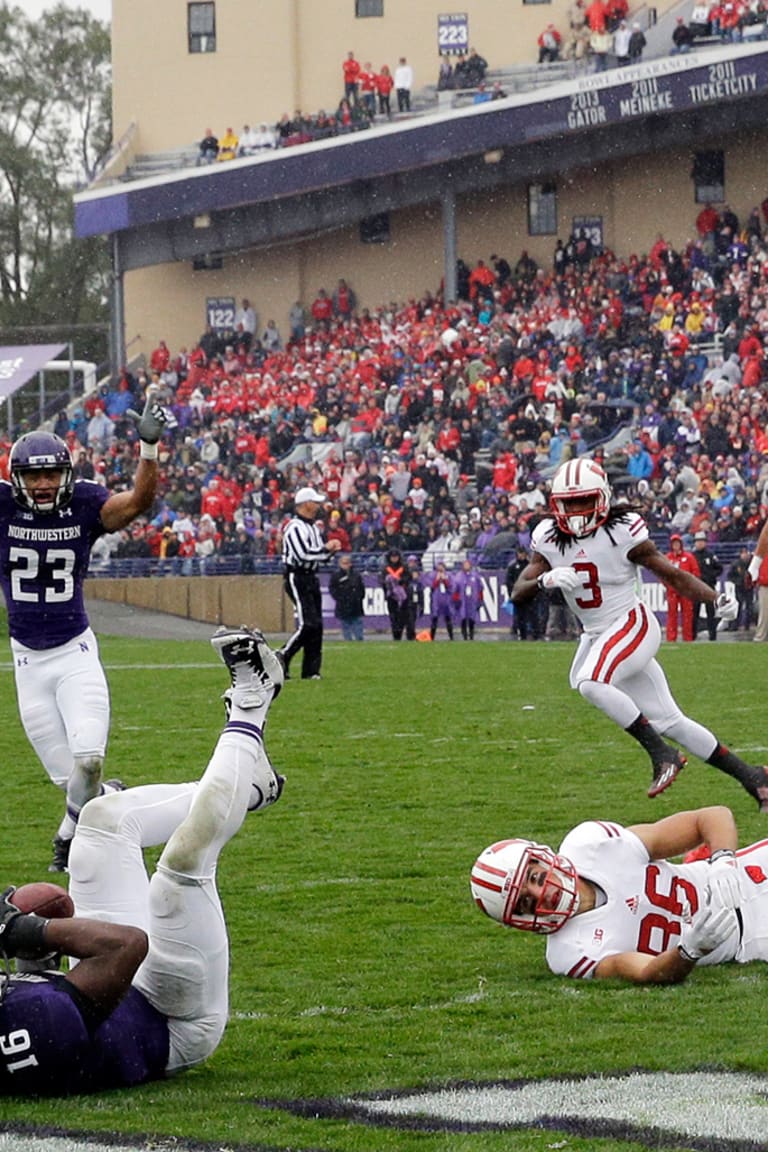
x: 148, y: 451
x: 721, y: 852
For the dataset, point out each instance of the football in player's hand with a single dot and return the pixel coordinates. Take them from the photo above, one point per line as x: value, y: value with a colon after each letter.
x: 46, y: 899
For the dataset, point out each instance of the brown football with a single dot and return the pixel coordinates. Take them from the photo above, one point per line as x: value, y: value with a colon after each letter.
x: 44, y: 898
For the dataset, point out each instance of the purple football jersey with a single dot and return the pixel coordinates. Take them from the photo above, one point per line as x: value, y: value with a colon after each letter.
x: 46, y: 1048
x: 44, y: 559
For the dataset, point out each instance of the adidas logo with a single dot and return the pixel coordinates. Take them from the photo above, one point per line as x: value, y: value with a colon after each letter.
x: 633, y: 904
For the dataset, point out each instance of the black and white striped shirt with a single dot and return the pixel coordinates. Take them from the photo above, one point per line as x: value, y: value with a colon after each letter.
x: 303, y: 546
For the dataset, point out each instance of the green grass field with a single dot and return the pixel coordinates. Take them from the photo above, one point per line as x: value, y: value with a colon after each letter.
x: 359, y: 963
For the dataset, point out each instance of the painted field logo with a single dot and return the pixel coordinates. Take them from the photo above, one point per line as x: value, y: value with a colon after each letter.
x: 707, y: 1111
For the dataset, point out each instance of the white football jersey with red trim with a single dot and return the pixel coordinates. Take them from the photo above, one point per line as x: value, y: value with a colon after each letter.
x: 609, y: 579
x: 643, y: 906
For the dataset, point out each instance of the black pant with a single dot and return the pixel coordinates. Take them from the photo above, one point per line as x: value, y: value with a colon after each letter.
x: 403, y: 99
x: 304, y: 590
x: 398, y: 618
x: 711, y: 620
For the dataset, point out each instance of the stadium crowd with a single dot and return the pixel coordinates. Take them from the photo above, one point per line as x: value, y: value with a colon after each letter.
x: 433, y: 426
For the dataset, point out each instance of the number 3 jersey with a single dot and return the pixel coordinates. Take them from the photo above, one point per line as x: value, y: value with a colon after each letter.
x: 608, y: 578
x: 43, y: 562
x: 641, y: 902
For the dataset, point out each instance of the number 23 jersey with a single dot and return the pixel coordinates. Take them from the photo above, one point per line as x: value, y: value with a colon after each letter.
x: 43, y: 562
x: 643, y: 901
x: 608, y: 577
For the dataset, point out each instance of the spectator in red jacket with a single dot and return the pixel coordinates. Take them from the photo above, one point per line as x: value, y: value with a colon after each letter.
x: 322, y: 307
x: 481, y: 281
x: 687, y: 562
x: 549, y: 43
x: 366, y: 86
x: 384, y: 85
x: 351, y: 71
x: 160, y: 358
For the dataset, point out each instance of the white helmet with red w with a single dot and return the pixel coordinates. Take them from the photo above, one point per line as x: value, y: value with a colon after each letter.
x: 580, y: 498
x: 525, y: 885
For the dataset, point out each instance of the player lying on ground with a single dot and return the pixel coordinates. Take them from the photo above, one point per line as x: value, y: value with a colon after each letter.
x: 149, y: 995
x: 611, y: 903
x: 592, y: 551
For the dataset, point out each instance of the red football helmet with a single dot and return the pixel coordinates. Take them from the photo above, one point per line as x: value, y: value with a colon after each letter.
x: 498, y: 876
x: 581, y: 497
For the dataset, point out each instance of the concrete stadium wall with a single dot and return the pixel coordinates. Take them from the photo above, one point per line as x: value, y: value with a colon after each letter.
x: 230, y: 600
x: 635, y: 200
x: 273, y: 58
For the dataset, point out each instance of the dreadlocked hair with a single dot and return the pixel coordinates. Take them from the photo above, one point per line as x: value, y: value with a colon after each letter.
x: 619, y: 513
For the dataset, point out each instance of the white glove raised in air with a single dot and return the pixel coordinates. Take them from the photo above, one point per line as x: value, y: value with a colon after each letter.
x: 710, y: 928
x: 726, y: 607
x: 753, y: 568
x: 565, y: 578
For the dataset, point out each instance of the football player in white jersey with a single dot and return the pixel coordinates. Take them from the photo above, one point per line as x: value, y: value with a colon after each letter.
x: 611, y: 904
x: 592, y: 550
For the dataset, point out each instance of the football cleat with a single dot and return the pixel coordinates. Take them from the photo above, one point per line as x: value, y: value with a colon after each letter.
x: 759, y: 788
x: 254, y: 667
x: 666, y: 771
x: 259, y: 800
x: 60, y: 860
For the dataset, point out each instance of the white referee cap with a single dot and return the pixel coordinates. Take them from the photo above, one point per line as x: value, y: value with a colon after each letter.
x: 305, y: 495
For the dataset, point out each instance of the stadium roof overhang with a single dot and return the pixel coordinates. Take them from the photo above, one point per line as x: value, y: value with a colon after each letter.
x: 653, y: 106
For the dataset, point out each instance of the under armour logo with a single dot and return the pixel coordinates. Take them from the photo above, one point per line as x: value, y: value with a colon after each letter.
x: 64, y: 512
x: 21, y: 660
x: 83, y: 646
x: 632, y: 903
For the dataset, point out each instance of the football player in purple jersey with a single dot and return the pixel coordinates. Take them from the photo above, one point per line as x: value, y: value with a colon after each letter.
x: 48, y: 524
x: 149, y: 995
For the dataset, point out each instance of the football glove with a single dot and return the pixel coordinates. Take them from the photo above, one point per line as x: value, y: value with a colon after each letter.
x: 153, y: 420
x: 726, y: 607
x: 710, y: 928
x: 723, y: 881
x: 753, y: 568
x: 566, y: 579
x: 21, y: 933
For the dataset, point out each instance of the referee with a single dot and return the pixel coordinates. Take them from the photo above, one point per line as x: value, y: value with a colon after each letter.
x: 303, y: 551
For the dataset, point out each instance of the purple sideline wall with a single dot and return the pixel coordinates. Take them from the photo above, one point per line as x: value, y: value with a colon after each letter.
x: 492, y: 615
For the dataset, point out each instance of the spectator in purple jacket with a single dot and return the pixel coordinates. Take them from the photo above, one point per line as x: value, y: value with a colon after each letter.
x: 468, y: 598
x: 442, y: 603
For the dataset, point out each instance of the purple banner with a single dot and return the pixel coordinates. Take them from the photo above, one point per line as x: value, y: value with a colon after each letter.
x: 492, y: 614
x: 20, y: 362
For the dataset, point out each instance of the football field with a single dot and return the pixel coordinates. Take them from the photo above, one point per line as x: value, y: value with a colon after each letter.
x: 372, y: 1006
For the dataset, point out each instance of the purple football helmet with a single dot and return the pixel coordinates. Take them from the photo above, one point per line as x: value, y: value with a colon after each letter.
x: 39, y: 452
